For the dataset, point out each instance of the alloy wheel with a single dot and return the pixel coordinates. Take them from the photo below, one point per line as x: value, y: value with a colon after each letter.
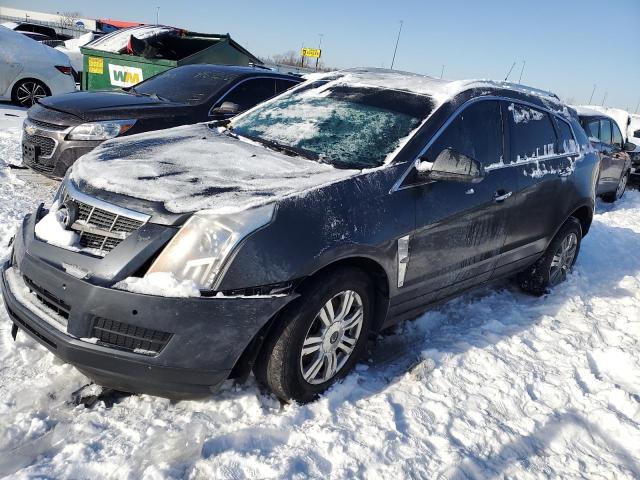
x: 332, y: 337
x: 563, y: 259
x: 28, y: 92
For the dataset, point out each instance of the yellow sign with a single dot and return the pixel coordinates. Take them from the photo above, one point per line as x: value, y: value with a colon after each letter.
x: 311, y: 52
x: 96, y: 65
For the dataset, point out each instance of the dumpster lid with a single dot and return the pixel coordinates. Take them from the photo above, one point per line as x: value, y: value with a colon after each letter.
x: 117, y: 41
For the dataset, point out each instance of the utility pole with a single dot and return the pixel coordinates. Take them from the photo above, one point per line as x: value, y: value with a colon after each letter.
x: 592, y: 92
x: 637, y: 107
x: 442, y: 72
x: 319, y: 48
x: 524, y: 62
x: 510, y: 70
x: 393, y: 60
x: 157, y: 15
x: 604, y: 98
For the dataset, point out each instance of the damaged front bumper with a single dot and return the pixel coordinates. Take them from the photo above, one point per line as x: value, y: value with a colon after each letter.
x: 165, y: 346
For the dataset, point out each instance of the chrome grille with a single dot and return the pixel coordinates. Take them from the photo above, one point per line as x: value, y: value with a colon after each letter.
x: 99, y: 228
x: 47, y: 145
x: 48, y: 126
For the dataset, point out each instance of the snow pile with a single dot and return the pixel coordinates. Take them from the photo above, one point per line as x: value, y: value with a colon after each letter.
x: 163, y: 284
x: 192, y: 168
x: 11, y: 119
x: 51, y: 229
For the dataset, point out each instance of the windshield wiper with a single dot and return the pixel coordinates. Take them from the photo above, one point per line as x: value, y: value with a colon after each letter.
x: 279, y: 147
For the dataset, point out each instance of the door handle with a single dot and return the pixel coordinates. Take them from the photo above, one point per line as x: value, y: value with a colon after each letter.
x: 501, y: 196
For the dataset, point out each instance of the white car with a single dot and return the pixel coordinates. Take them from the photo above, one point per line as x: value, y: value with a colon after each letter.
x: 30, y: 70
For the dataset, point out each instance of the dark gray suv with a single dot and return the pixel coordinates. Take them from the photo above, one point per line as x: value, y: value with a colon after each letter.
x: 170, y: 261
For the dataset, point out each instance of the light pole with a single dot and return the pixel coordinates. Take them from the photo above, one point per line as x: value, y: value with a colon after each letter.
x: 157, y: 15
x: 442, y: 72
x: 319, y: 48
x: 393, y: 60
x: 604, y: 98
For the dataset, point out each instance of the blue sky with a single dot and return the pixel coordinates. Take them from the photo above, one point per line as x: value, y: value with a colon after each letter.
x: 568, y: 45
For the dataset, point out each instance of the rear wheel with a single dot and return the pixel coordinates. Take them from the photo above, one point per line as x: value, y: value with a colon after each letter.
x: 556, y: 262
x: 319, y: 339
x: 26, y: 92
x: 617, y: 195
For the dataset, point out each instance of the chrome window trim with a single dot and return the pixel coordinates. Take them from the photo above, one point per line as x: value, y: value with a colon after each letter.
x: 73, y: 192
x: 257, y: 77
x: 397, y: 185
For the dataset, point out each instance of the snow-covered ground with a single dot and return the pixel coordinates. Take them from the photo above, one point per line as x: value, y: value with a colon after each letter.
x: 495, y: 384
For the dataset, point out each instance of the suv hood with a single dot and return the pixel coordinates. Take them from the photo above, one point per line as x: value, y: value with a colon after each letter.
x: 192, y: 168
x: 92, y: 106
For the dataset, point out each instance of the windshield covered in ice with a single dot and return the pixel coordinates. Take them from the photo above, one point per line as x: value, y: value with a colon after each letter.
x: 346, y: 126
x: 188, y: 84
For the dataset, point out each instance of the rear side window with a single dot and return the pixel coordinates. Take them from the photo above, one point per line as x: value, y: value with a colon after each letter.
x: 605, y: 131
x: 251, y: 92
x: 532, y: 133
x: 283, y: 85
x: 593, y: 129
x: 475, y: 132
x: 566, y: 142
x: 616, y: 136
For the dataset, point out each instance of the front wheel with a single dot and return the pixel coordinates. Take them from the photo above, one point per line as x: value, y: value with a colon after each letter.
x: 556, y: 262
x: 617, y: 195
x: 320, y: 338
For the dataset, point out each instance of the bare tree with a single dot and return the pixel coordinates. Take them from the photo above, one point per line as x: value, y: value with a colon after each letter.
x: 68, y: 18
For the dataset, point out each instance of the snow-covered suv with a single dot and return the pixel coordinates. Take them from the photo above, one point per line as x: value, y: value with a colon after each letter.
x: 172, y: 260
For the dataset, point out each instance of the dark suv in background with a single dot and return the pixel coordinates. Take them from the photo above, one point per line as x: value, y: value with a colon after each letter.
x: 60, y: 129
x: 615, y: 161
x: 280, y: 242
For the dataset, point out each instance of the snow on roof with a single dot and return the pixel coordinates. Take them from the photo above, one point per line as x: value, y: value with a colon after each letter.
x: 182, y: 169
x: 440, y: 90
x: 621, y: 117
x: 18, y: 48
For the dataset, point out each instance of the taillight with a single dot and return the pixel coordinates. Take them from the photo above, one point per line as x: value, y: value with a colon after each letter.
x: 63, y: 69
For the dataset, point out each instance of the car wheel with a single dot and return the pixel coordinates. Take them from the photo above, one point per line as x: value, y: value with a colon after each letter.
x: 617, y: 195
x: 320, y: 338
x: 26, y: 92
x: 556, y: 262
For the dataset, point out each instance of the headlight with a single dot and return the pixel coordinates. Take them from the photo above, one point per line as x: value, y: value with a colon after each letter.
x: 100, y: 130
x: 200, y: 248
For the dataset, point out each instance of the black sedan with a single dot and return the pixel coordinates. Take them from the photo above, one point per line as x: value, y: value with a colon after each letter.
x: 60, y: 129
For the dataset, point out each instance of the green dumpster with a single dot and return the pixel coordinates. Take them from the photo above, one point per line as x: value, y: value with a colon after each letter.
x: 117, y: 60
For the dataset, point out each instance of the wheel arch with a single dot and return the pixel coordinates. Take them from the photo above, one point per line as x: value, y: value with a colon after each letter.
x: 371, y: 267
x: 584, y: 215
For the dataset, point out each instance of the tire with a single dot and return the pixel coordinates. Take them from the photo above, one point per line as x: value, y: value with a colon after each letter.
x: 552, y: 268
x: 281, y: 365
x: 27, y: 91
x: 617, y: 195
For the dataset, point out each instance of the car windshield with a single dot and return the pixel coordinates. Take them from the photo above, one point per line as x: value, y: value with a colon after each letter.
x: 346, y: 126
x: 190, y: 84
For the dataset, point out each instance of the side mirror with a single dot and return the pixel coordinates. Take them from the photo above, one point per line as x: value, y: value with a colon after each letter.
x: 636, y: 134
x: 226, y: 109
x: 629, y: 147
x: 451, y: 166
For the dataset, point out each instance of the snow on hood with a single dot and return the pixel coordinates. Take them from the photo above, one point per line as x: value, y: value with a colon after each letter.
x: 191, y: 168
